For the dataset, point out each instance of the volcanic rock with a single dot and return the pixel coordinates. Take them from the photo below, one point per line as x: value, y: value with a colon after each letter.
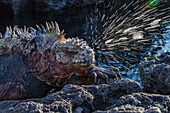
x: 155, y: 74
x: 74, y: 98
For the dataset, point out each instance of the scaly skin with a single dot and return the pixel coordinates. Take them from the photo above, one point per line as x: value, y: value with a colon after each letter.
x: 44, y: 56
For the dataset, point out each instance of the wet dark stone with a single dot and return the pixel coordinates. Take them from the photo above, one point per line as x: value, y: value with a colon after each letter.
x: 85, y: 98
x: 155, y: 74
x: 140, y: 103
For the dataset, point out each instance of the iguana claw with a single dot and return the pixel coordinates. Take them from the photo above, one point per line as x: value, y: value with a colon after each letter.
x: 105, y: 74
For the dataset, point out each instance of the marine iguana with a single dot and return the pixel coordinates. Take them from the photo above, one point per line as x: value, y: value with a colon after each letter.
x: 33, y: 60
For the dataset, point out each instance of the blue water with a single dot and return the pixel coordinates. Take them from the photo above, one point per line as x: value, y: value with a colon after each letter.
x: 166, y: 41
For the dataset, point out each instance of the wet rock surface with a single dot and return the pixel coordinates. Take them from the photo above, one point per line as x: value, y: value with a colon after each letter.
x: 141, y: 103
x: 155, y: 74
x: 116, y: 96
x: 119, y: 96
x: 74, y: 98
x: 106, y: 94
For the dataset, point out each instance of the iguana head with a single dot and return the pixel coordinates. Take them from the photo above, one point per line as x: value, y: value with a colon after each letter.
x: 68, y: 52
x: 73, y: 51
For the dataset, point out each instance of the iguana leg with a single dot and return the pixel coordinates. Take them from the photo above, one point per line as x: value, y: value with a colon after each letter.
x: 94, y: 71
